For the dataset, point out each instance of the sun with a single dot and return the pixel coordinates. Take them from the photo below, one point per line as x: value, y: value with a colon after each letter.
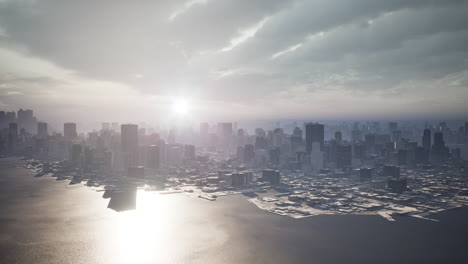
x: 181, y: 106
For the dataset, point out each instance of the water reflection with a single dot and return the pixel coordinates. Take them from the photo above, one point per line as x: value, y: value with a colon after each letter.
x: 162, y: 229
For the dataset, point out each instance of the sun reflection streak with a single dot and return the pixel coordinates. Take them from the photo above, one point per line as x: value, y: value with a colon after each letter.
x: 142, y: 233
x: 162, y: 229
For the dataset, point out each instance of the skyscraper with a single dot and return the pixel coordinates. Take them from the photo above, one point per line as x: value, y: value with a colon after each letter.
x: 42, y: 130
x: 392, y: 126
x: 12, y: 137
x: 426, y: 140
x: 314, y: 133
x: 338, y: 136
x: 466, y: 132
x: 439, y: 150
x: 343, y: 156
x: 69, y: 131
x: 129, y: 137
x: 129, y: 143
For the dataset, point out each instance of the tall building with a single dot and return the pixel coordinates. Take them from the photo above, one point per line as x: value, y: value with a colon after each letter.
x: 392, y: 126
x: 314, y: 133
x: 26, y: 120
x: 69, y: 131
x: 338, y: 136
x: 12, y: 137
x: 343, y: 156
x: 391, y: 171
x: 153, y: 159
x: 249, y: 153
x: 42, y: 130
x: 225, y: 133
x: 10, y: 117
x: 129, y: 144
x: 297, y: 132
x: 426, y: 140
x: 129, y: 137
x: 466, y: 132
x: 439, y: 150
x: 271, y: 176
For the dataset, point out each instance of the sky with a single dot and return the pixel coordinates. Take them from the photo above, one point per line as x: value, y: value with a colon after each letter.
x: 124, y: 60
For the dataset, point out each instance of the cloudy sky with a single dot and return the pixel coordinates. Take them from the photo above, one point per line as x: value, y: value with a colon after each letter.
x: 235, y: 59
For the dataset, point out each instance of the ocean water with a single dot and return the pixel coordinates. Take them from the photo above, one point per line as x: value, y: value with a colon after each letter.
x: 43, y: 220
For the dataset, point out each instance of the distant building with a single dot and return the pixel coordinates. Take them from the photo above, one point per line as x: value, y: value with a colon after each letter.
x: 136, y: 172
x: 314, y: 133
x: 239, y: 179
x: 392, y: 126
x: 12, y: 137
x: 189, y: 152
x: 391, y: 171
x: 338, y: 136
x: 129, y: 144
x: 439, y: 150
x: 365, y: 173
x: 397, y: 185
x: 42, y: 130
x: 69, y: 131
x: 76, y: 154
x: 343, y: 156
x: 271, y: 176
x: 153, y: 159
x: 249, y: 153
x: 426, y: 140
x: 466, y: 132
x: 402, y: 157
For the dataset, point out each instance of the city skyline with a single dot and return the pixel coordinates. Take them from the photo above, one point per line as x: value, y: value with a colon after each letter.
x: 265, y: 60
x: 233, y: 131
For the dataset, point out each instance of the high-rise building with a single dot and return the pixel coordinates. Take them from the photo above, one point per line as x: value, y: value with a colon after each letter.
x: 12, y: 137
x: 239, y: 179
x: 249, y: 153
x: 365, y: 173
x: 314, y: 133
x: 426, y: 139
x: 129, y: 144
x: 466, y: 132
x: 129, y: 137
x: 42, y: 130
x: 26, y: 120
x: 391, y: 171
x: 271, y: 176
x: 343, y: 156
x: 439, y: 150
x: 11, y: 117
x: 69, y: 131
x: 189, y: 152
x: 338, y: 136
x: 153, y: 157
x: 392, y: 126
x: 76, y: 153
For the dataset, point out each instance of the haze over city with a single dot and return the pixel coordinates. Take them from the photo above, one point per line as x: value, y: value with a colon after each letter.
x: 233, y: 131
x: 235, y: 60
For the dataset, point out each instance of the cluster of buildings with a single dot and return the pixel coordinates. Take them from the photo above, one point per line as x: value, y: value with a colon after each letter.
x: 344, y: 167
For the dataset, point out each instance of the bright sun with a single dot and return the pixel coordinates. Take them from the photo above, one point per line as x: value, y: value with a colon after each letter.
x: 181, y: 106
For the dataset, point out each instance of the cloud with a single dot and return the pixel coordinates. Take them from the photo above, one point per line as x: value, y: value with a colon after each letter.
x: 251, y: 58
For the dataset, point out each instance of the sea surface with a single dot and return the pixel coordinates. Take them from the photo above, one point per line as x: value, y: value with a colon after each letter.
x: 43, y: 220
